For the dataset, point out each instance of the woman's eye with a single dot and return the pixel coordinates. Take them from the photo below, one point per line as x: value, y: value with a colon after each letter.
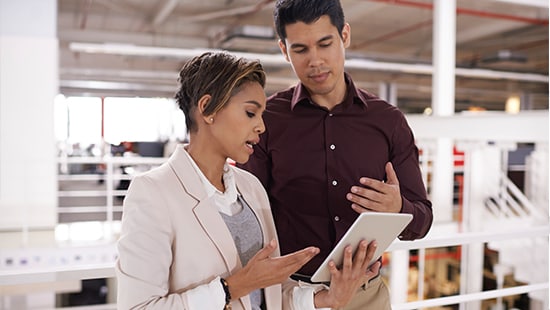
x: 250, y: 114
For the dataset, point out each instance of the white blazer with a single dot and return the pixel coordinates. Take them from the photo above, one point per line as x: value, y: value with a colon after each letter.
x: 173, y: 238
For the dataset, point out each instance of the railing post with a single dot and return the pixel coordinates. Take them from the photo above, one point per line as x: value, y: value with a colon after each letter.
x: 109, y: 182
x: 399, y: 272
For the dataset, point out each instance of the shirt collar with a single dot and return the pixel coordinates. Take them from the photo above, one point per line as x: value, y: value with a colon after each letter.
x: 301, y: 93
x: 230, y: 194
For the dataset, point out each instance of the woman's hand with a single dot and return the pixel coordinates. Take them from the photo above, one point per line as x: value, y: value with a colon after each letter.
x: 263, y: 270
x: 354, y: 273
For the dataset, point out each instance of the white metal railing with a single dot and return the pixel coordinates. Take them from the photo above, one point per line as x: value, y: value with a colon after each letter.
x: 511, y: 203
x: 465, y: 238
x: 457, y: 299
x: 514, y: 195
x: 109, y: 177
x: 79, y: 270
x: 515, y: 200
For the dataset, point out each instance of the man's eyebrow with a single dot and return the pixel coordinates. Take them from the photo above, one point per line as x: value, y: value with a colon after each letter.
x: 301, y: 45
x: 327, y: 37
x: 297, y: 45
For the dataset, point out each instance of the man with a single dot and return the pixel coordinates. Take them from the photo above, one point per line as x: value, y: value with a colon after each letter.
x: 331, y: 150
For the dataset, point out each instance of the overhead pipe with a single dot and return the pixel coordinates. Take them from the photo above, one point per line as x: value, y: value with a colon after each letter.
x: 464, y: 11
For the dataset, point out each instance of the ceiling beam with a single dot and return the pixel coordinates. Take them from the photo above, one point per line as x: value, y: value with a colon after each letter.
x: 164, y: 12
x: 229, y: 12
x: 535, y: 3
x: 141, y: 39
x: 279, y: 60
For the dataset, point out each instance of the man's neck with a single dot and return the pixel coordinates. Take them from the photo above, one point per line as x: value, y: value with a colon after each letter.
x: 332, y: 99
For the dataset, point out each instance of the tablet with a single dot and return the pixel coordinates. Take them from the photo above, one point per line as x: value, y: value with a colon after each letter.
x: 382, y: 227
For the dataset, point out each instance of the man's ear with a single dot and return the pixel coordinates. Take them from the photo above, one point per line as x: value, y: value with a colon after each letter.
x: 282, y: 46
x: 346, y: 35
x: 202, y: 104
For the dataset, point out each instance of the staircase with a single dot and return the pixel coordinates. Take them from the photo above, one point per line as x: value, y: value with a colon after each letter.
x: 526, y: 258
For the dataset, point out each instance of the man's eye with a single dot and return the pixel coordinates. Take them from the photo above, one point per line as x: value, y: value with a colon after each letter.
x: 326, y: 44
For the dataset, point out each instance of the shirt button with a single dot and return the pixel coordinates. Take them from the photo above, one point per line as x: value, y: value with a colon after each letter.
x: 332, y: 146
x: 337, y: 218
x: 330, y: 114
x: 334, y: 183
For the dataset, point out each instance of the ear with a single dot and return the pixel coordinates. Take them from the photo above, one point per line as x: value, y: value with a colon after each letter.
x: 346, y: 35
x: 282, y: 46
x: 201, y: 105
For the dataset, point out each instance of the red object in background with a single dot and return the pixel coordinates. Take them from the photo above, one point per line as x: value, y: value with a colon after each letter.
x: 128, y: 146
x: 458, y: 162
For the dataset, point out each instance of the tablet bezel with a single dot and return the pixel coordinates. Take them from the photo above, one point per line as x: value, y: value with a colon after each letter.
x: 382, y: 227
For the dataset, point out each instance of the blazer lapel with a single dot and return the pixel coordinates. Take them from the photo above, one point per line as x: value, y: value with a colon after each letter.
x: 205, y: 210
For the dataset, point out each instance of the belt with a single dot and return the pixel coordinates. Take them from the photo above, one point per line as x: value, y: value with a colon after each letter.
x: 305, y: 278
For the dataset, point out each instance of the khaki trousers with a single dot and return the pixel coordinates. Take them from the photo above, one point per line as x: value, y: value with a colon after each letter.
x: 376, y: 297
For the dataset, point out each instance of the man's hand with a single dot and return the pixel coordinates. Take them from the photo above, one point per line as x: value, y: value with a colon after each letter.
x: 377, y: 195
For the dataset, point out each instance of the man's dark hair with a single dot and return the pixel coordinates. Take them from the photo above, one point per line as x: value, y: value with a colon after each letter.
x: 306, y: 11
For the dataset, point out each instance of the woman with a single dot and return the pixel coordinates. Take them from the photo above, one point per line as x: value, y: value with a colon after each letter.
x: 197, y: 233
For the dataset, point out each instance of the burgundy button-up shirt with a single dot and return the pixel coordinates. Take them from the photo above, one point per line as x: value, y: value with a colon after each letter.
x: 309, y: 157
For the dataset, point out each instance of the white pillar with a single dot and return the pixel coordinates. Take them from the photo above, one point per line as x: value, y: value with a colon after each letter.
x: 443, y: 104
x: 444, y: 51
x: 399, y: 273
x: 28, y: 85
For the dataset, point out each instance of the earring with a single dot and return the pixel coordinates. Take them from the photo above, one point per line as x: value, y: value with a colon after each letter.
x: 211, y: 119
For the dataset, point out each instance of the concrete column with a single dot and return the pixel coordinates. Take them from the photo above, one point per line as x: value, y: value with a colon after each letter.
x: 443, y: 104
x: 28, y: 85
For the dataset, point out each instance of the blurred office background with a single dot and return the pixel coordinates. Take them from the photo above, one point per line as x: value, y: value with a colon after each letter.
x: 86, y: 102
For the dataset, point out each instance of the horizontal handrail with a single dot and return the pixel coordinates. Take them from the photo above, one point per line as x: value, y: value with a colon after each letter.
x: 456, y: 299
x: 470, y: 237
x: 111, y: 159
x: 87, y: 209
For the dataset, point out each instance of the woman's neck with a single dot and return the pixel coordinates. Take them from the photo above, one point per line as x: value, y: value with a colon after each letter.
x: 210, y: 164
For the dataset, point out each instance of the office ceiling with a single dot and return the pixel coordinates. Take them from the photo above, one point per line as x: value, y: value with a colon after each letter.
x: 136, y: 47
